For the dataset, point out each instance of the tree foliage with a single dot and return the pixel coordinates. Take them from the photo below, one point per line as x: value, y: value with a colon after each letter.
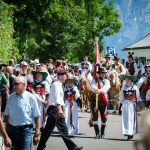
x: 54, y: 28
x: 7, y: 43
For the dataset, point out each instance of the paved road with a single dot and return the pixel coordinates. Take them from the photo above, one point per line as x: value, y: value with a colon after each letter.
x: 113, y: 140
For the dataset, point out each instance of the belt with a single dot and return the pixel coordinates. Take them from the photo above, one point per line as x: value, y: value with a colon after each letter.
x: 22, y: 126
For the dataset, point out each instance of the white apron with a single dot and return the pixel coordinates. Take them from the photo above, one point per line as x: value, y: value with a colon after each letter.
x: 72, y: 122
x: 129, y: 118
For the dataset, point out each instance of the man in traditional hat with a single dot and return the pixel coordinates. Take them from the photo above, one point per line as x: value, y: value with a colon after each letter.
x: 129, y: 97
x: 55, y: 114
x: 85, y: 67
x: 118, y: 66
x: 131, y: 65
x: 71, y: 95
x: 107, y: 64
x: 99, y: 87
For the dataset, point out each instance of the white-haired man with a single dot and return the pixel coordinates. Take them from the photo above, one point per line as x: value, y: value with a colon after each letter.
x: 21, y: 113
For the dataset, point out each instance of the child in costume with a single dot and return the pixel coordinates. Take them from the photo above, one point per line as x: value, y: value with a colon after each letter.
x: 71, y: 94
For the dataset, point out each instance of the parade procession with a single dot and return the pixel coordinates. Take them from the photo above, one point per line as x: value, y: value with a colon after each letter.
x: 37, y: 97
x: 74, y: 74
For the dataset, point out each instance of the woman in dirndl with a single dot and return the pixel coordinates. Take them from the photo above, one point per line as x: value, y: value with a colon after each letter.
x: 129, y: 98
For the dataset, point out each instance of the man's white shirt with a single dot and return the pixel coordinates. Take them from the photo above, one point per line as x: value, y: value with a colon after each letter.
x: 56, y: 94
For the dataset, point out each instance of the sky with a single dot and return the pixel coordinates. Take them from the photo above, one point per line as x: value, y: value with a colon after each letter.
x: 135, y: 18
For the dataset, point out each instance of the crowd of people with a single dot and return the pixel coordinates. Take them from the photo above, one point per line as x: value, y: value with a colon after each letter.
x: 35, y: 97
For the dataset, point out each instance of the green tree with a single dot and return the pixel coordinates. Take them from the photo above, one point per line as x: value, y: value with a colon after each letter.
x: 7, y: 44
x: 54, y: 28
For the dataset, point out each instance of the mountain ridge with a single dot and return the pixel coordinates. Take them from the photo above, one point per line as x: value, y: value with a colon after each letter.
x: 135, y: 18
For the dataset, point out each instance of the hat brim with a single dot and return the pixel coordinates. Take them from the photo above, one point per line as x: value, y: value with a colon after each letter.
x: 70, y: 79
x: 131, y: 77
x: 44, y: 74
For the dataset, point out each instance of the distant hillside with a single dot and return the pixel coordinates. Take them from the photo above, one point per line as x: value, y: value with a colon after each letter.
x: 135, y: 17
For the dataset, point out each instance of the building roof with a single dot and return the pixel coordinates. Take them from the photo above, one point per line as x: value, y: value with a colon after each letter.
x: 141, y: 44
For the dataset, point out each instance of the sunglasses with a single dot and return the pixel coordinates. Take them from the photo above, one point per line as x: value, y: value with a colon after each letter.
x: 16, y: 84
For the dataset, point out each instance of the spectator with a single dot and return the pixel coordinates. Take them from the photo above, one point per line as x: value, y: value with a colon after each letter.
x: 3, y: 84
x: 21, y: 112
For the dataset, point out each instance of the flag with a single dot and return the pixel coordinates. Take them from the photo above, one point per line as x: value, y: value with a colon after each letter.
x: 97, y: 60
x: 111, y: 51
x: 97, y: 57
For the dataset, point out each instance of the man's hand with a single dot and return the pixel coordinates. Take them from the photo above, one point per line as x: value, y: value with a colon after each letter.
x: 36, y: 139
x: 46, y: 103
x: 7, y: 142
x: 98, y: 91
x: 32, y: 91
x: 37, y: 131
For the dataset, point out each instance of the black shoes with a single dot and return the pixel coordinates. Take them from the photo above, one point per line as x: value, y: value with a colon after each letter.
x: 96, y: 128
x: 130, y: 137
x: 102, y: 131
x: 97, y: 132
x: 97, y: 137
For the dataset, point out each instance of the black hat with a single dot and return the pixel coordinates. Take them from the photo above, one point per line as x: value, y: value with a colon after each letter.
x: 102, y: 70
x: 107, y: 56
x: 130, y: 55
x: 116, y: 57
x: 127, y: 75
x: 61, y: 72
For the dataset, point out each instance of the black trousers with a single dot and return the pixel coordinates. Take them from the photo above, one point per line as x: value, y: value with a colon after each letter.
x: 52, y: 121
